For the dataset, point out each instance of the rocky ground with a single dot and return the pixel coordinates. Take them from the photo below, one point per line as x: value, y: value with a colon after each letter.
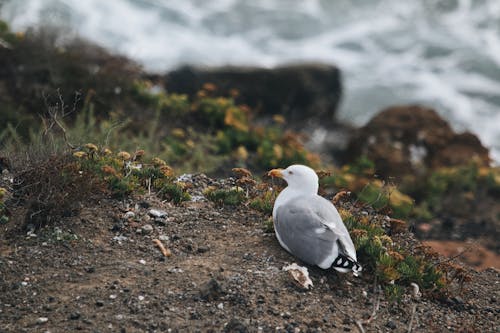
x: 102, y: 272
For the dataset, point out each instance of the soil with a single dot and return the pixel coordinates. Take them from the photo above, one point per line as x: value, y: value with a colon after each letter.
x: 101, y: 272
x: 471, y: 253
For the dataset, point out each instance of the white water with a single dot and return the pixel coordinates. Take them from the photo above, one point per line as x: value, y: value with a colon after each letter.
x: 442, y: 53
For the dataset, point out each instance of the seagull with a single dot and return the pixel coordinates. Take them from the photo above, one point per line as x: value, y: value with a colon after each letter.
x: 308, y: 226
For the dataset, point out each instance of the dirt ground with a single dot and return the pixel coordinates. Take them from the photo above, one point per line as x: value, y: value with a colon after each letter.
x: 102, y: 272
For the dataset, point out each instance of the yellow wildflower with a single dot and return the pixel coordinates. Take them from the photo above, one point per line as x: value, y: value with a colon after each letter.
x: 80, y: 154
x: 124, y: 155
x: 90, y: 146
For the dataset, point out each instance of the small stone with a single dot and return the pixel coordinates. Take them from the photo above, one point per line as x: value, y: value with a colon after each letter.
x: 392, y: 325
x: 144, y: 204
x: 211, y: 290
x: 113, y: 296
x: 147, y: 229
x: 142, y: 262
x: 160, y: 221
x: 157, y: 213
x: 163, y: 238
x: 129, y: 215
x: 119, y: 317
x: 42, y: 320
x: 99, y: 303
x: 203, y: 249
x: 235, y: 325
x: 117, y: 227
x: 75, y: 316
x: 140, y: 298
x: 220, y: 306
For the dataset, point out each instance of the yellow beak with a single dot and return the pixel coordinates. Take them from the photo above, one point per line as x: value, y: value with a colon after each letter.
x: 276, y: 173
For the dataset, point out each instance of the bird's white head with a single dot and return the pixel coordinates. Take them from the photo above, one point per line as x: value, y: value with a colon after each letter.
x: 299, y: 177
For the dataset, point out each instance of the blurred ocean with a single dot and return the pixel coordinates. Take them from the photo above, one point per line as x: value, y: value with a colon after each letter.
x: 442, y: 53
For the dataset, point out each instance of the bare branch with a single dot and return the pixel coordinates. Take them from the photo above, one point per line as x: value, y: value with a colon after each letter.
x: 359, y: 326
x: 55, y: 112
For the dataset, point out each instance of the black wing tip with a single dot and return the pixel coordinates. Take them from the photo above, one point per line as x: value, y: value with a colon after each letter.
x: 346, y: 262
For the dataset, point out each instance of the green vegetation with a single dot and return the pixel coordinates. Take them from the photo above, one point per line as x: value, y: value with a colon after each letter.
x: 359, y: 178
x: 458, y: 184
x: 231, y: 197
x: 3, y: 209
x: 125, y: 173
x: 395, y: 268
x: 265, y: 202
x: 174, y: 192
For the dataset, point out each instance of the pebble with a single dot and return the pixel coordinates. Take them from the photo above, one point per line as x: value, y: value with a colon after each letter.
x: 142, y: 262
x: 211, y: 290
x: 113, y: 296
x: 390, y: 324
x: 75, y: 316
x: 141, y: 298
x: 163, y: 238
x: 220, y: 306
x: 157, y: 213
x: 203, y: 249
x: 160, y: 221
x: 42, y: 320
x: 129, y: 215
x: 120, y: 238
x: 147, y: 229
x: 117, y: 227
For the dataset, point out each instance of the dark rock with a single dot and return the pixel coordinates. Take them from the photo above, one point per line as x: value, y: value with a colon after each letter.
x: 298, y: 92
x: 117, y: 227
x: 144, y: 204
x: 90, y: 269
x: 160, y: 221
x: 203, y: 249
x: 99, y: 303
x: 390, y: 324
x: 403, y: 140
x: 235, y: 326
x: 75, y: 316
x: 211, y: 290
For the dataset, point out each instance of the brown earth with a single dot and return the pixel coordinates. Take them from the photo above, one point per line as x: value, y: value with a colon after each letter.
x: 102, y: 272
x: 471, y: 253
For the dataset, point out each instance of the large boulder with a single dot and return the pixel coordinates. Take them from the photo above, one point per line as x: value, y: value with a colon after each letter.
x: 298, y: 92
x: 412, y: 140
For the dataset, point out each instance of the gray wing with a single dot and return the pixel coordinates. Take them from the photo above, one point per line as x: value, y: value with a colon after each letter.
x: 309, y: 228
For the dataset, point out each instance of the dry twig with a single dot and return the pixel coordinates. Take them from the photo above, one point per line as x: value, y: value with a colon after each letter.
x: 166, y: 252
x: 58, y: 112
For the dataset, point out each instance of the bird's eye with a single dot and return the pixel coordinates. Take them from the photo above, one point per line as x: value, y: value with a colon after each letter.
x: 290, y: 172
